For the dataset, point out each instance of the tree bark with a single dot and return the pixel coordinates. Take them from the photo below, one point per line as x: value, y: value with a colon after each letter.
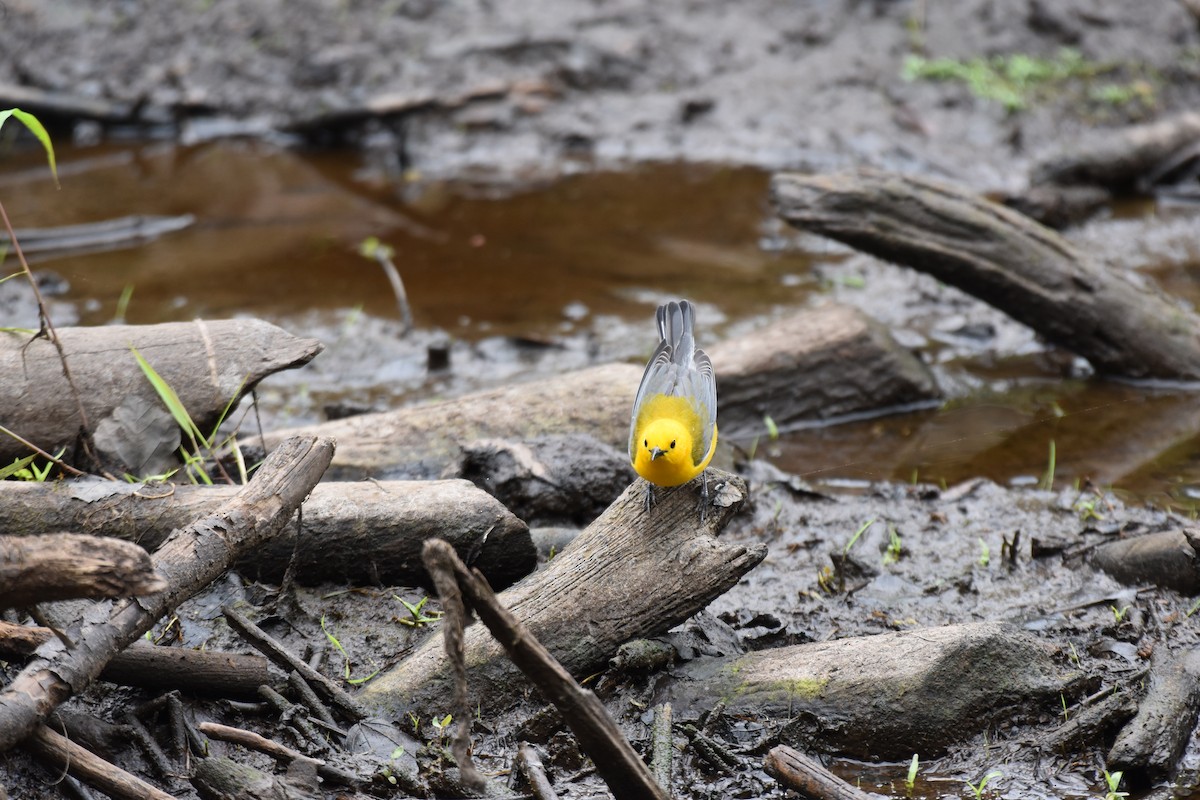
x: 369, y: 532
x: 191, y: 559
x: 1005, y: 259
x: 1170, y: 559
x: 62, y: 566
x: 913, y: 691
x: 819, y: 364
x: 206, y: 363
x: 808, y: 776
x: 628, y: 575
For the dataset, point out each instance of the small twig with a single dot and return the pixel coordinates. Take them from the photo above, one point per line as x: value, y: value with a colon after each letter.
x: 253, y: 741
x: 452, y: 630
x: 58, y: 462
x: 382, y: 254
x: 808, y: 777
x: 293, y: 715
x: 711, y: 751
x: 48, y: 326
x: 306, y: 695
x: 622, y: 769
x: 534, y: 773
x: 285, y: 659
x: 158, y: 759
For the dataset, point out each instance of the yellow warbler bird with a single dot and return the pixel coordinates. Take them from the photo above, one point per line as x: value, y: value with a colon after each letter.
x: 674, y: 429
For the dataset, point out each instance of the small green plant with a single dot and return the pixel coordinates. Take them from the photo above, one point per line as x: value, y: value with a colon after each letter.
x: 415, y: 721
x: 337, y: 645
x: 978, y: 788
x: 1047, y: 482
x: 1195, y: 607
x: 1119, y: 613
x: 857, y: 535
x: 1112, y: 782
x: 1087, y: 510
x: 895, y: 546
x: 911, y: 779
x: 1062, y: 698
x: 1075, y: 656
x: 202, y: 447
x: 1013, y: 80
x: 772, y: 428
x: 985, y: 553
x: 418, y: 617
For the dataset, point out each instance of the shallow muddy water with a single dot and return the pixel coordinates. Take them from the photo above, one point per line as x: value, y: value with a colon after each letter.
x: 533, y: 279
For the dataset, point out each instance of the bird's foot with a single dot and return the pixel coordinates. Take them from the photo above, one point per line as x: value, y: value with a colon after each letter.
x: 703, y: 496
x: 649, y: 496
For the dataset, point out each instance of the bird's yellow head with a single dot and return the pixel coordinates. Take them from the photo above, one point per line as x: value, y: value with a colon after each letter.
x: 664, y: 454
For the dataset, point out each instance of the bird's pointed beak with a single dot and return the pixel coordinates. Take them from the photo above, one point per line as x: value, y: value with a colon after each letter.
x: 656, y: 452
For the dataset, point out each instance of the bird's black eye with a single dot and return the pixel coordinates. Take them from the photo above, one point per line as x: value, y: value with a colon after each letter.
x: 645, y: 442
x: 672, y: 444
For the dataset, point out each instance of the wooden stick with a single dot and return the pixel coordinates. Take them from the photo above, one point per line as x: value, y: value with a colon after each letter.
x: 534, y: 773
x: 63, y: 566
x: 89, y: 767
x: 622, y: 769
x: 806, y: 775
x: 253, y: 741
x: 285, y: 659
x: 190, y: 560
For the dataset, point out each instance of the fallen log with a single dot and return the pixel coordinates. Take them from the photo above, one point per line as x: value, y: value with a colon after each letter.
x: 1149, y: 746
x: 191, y: 559
x: 1005, y: 259
x: 1170, y: 559
x: 369, y: 532
x: 67, y: 756
x: 206, y: 672
x: 206, y: 363
x: 1121, y: 161
x: 916, y: 691
x: 820, y: 364
x: 628, y: 575
x: 62, y: 566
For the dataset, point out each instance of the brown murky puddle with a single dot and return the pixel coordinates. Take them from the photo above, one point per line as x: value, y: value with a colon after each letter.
x: 556, y: 275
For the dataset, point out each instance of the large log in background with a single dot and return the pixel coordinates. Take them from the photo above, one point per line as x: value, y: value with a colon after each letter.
x: 1121, y: 160
x: 1003, y: 258
x: 628, y: 575
x: 821, y: 363
x: 60, y: 566
x: 206, y: 363
x: 369, y: 532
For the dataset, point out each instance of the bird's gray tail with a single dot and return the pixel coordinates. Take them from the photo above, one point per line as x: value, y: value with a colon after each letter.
x: 676, y: 327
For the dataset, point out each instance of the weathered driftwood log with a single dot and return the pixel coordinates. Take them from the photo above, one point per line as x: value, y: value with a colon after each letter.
x: 208, y: 672
x: 362, y: 532
x: 1123, y: 160
x: 628, y: 575
x: 191, y: 559
x: 1090, y: 725
x: 1170, y: 559
x: 913, y: 691
x: 1150, y: 745
x: 821, y: 363
x: 206, y: 363
x: 1005, y: 259
x: 61, y: 566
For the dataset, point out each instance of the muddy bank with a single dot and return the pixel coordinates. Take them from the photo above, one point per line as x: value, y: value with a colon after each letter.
x: 534, y: 87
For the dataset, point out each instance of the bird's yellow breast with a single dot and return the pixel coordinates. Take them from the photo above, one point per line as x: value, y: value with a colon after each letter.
x: 672, y: 425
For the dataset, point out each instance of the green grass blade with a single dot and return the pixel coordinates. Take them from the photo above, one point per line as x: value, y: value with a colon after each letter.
x: 171, y: 401
x: 35, y: 127
x: 16, y: 466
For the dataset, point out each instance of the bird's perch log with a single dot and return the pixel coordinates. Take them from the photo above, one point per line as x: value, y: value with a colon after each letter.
x: 628, y: 575
x: 1005, y: 259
